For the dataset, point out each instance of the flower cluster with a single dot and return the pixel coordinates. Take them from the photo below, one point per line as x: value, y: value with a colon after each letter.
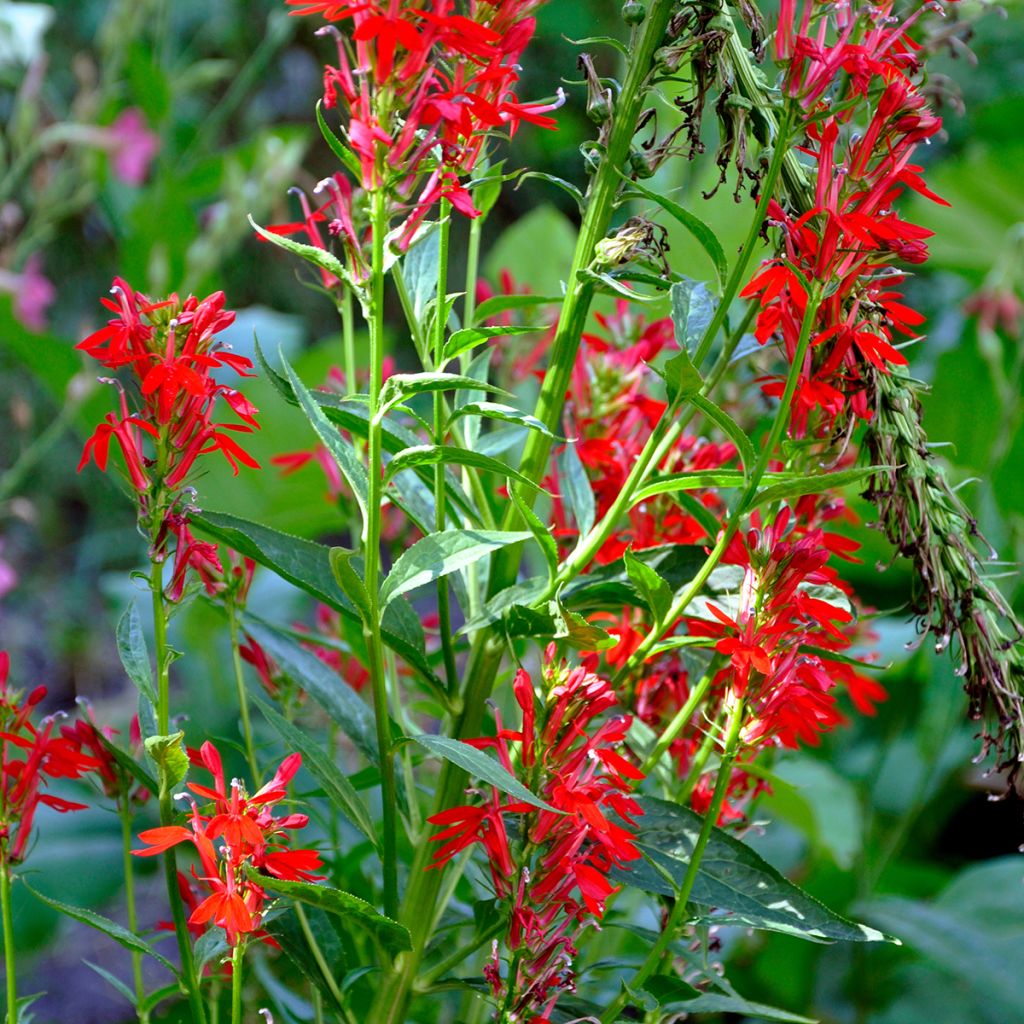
x: 29, y: 756
x: 171, y: 351
x: 851, y: 235
x: 610, y: 412
x: 94, y: 741
x: 791, y: 615
x: 420, y: 88
x: 238, y: 841
x: 553, y: 875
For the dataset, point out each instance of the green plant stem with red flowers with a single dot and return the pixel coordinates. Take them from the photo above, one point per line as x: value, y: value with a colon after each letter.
x: 124, y: 811
x: 372, y: 628
x: 163, y: 719
x: 743, y: 506
x: 419, y: 906
x: 9, y: 947
x: 237, y: 959
x: 444, y: 611
x: 678, y: 916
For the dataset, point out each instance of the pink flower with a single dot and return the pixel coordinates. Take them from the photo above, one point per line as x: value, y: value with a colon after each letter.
x: 133, y: 146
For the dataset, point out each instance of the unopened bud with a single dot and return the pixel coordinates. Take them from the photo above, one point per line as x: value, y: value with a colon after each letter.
x: 633, y: 12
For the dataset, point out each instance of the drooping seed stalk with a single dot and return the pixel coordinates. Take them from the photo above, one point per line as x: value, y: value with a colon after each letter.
x: 372, y: 628
x: 677, y: 918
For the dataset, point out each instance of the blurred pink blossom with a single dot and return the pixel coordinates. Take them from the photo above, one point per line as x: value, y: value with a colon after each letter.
x: 8, y: 577
x: 133, y: 146
x: 32, y: 292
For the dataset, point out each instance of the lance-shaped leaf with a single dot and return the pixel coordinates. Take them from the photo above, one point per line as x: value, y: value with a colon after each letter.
x: 131, y: 648
x: 540, y: 531
x: 654, y: 590
x: 338, y: 789
x: 305, y: 669
x: 341, y: 450
x: 400, y: 386
x: 307, y: 565
x: 112, y: 929
x: 440, y: 554
x: 288, y: 931
x: 503, y: 303
x: 477, y: 764
x: 311, y: 253
x: 432, y: 454
x: 391, y: 935
x: 469, y: 337
x: 675, y: 996
x: 734, y: 884
x: 576, y: 490
x: 338, y: 148
x: 701, y: 232
x: 499, y: 411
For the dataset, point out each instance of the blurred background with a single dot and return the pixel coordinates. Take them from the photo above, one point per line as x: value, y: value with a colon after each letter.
x: 136, y: 137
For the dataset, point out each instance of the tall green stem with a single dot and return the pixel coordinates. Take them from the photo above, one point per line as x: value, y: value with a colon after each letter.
x: 243, y: 697
x: 128, y: 868
x: 372, y: 628
x: 778, y: 426
x: 163, y: 719
x: 8, y: 919
x: 237, y: 957
x: 444, y: 612
x: 677, y: 918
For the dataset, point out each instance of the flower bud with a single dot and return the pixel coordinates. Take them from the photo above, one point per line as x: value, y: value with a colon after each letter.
x: 633, y: 12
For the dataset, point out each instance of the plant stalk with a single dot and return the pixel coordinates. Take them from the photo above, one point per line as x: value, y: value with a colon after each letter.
x: 124, y: 811
x: 243, y: 698
x: 9, y: 948
x: 237, y: 956
x: 372, y: 629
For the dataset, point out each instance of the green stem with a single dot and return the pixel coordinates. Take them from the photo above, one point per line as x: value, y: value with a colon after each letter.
x: 125, y: 812
x: 444, y: 612
x: 458, y: 956
x: 472, y: 273
x: 237, y: 956
x: 678, y: 723
x: 678, y: 918
x: 163, y: 719
x: 372, y: 629
x: 243, y: 697
x: 9, y: 949
x: 778, y: 426
x: 213, y: 1001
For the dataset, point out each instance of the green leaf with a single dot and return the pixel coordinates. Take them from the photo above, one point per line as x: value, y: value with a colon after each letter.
x: 682, y: 378
x: 306, y: 564
x: 729, y: 427
x: 480, y: 766
x: 707, y: 239
x: 419, y: 269
x: 553, y: 179
x: 391, y: 935
x: 111, y: 929
x: 579, y: 633
x: 157, y: 996
x: 287, y: 930
x: 321, y: 682
x: 338, y: 789
x: 170, y: 759
x: 654, y: 590
x: 131, y: 648
x: 338, y: 148
x: 503, y: 303
x: 112, y: 980
x: 432, y: 454
x: 469, y: 337
x: 311, y: 253
x: 576, y: 489
x: 350, y: 581
x: 740, y: 886
x: 675, y: 996
x: 506, y: 413
x: 128, y: 764
x: 539, y: 530
x: 523, y: 593
x: 812, y: 484
x: 341, y: 450
x: 400, y: 386
x: 440, y: 554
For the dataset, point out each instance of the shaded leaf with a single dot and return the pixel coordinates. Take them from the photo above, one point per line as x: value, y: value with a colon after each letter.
x: 131, y: 648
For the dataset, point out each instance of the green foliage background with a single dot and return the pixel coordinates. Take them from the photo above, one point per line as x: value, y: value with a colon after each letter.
x: 889, y: 819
